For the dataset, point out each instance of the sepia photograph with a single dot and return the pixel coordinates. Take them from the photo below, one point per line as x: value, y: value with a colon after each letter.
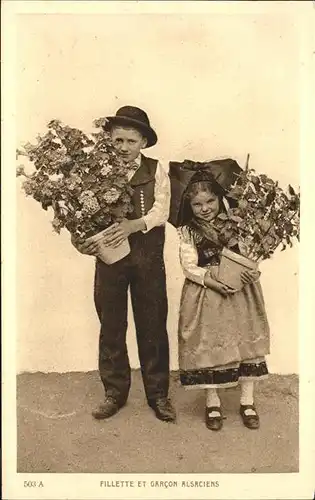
x: 155, y: 321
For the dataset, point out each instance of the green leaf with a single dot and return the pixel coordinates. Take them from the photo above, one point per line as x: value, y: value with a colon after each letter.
x: 288, y: 226
x: 264, y: 225
x: 235, y: 193
x: 243, y: 204
x: 270, y: 197
x: 288, y: 240
x: 222, y: 216
x: 291, y: 190
x: 236, y: 218
x: 266, y: 246
x: 232, y: 242
x: 46, y: 204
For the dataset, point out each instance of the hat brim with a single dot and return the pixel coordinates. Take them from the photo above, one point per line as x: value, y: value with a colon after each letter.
x: 146, y: 131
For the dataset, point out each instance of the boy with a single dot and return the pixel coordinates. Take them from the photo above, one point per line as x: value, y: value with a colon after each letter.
x: 143, y: 270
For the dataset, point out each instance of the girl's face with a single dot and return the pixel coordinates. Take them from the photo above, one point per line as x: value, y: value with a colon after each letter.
x: 205, y: 205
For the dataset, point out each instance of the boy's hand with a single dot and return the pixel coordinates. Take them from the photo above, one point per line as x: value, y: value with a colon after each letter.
x: 84, y: 247
x: 217, y: 286
x: 117, y: 233
x: 250, y: 276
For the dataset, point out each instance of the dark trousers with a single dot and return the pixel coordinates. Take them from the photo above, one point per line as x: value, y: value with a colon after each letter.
x: 143, y: 270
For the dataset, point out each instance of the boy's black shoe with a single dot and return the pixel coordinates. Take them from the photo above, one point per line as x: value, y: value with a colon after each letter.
x: 163, y: 409
x: 106, y: 409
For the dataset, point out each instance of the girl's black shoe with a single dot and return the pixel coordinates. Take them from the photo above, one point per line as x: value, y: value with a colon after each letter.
x: 250, y: 421
x: 214, y: 423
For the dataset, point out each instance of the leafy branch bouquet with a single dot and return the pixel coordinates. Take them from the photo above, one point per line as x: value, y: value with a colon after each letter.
x: 265, y: 217
x: 80, y: 177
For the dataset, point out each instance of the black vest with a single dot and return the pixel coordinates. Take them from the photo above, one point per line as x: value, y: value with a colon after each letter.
x: 143, y: 183
x: 209, y: 253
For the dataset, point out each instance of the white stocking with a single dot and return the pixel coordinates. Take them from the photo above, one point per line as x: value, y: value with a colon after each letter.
x: 247, y: 395
x: 213, y: 400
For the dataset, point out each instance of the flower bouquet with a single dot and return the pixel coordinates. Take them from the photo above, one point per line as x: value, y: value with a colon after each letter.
x: 83, y: 181
x: 266, y: 216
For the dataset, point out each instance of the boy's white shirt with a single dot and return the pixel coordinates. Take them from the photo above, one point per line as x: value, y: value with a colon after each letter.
x: 159, y: 213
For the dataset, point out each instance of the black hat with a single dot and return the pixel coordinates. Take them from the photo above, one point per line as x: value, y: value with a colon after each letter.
x: 133, y: 117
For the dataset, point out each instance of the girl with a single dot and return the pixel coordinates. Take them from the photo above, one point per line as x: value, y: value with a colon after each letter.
x: 223, y: 333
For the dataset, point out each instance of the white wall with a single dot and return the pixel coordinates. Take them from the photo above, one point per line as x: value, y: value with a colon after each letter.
x: 212, y: 86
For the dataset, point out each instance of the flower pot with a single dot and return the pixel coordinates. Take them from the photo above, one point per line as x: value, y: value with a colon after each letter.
x: 110, y: 255
x: 231, y: 266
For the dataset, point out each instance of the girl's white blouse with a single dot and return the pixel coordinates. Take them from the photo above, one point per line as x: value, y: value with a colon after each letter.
x: 188, y: 256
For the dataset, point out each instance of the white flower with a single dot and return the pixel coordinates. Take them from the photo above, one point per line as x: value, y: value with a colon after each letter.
x: 55, y: 177
x: 86, y: 195
x: 57, y: 140
x: 75, y: 178
x: 91, y: 206
x: 78, y: 214
x: 57, y: 224
x: 20, y: 171
x: 63, y: 207
x: 106, y: 170
x: 111, y: 195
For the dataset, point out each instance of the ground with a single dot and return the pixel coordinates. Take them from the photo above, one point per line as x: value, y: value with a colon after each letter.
x: 56, y: 432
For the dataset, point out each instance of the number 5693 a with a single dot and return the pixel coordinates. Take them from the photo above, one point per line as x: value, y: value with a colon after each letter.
x: 33, y: 484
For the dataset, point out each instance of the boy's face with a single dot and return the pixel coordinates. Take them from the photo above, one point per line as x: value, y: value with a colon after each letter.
x: 128, y: 142
x: 205, y: 205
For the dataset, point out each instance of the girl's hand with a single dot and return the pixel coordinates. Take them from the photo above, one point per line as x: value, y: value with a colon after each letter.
x: 250, y: 276
x: 217, y: 286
